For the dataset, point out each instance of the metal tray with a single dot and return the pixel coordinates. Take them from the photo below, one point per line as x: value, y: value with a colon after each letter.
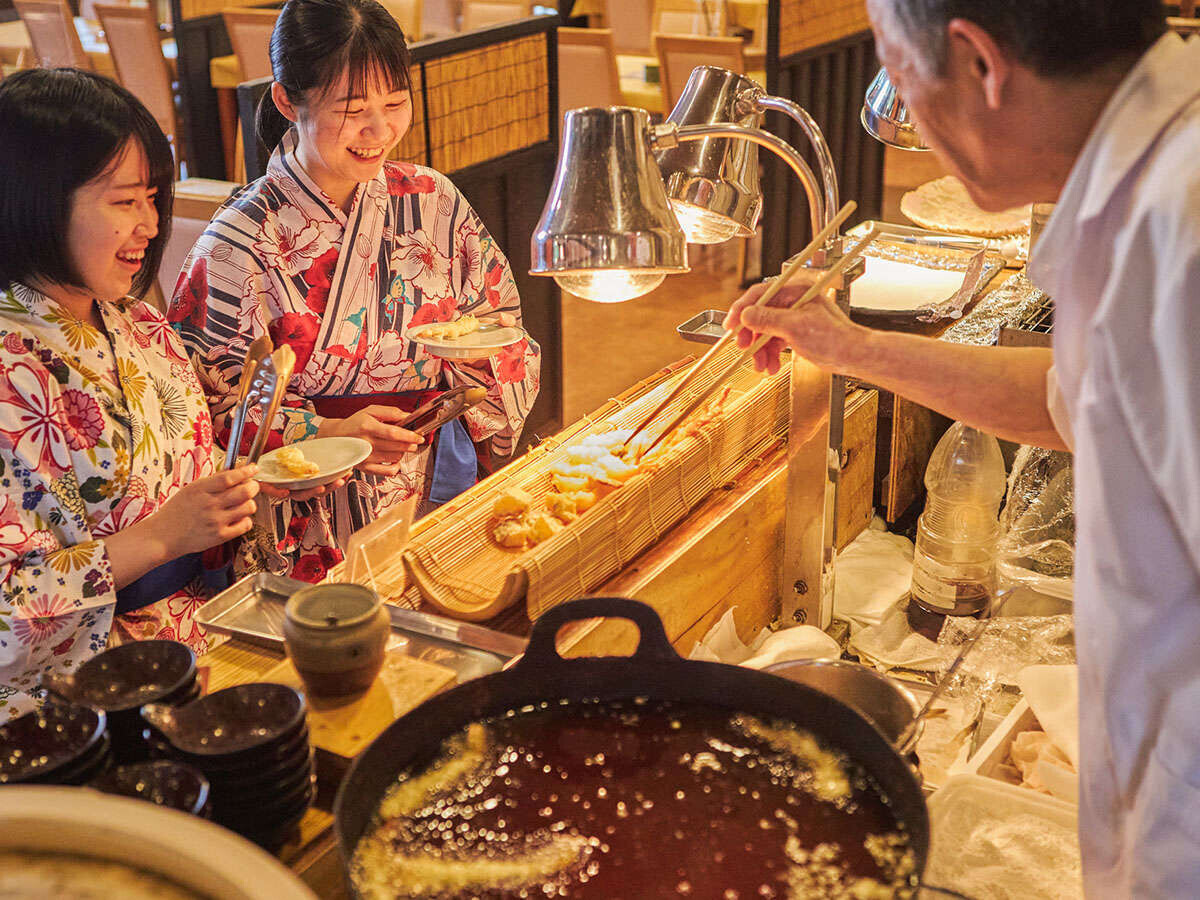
x: 705, y: 328
x: 252, y: 610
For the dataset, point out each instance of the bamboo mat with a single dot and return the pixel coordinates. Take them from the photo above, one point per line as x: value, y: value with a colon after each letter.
x: 457, y: 567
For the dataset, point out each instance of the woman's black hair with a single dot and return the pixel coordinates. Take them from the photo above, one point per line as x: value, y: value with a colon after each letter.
x: 59, y: 130
x: 314, y: 41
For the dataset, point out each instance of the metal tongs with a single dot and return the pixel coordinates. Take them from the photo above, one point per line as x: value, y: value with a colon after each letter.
x: 429, y: 417
x: 265, y: 376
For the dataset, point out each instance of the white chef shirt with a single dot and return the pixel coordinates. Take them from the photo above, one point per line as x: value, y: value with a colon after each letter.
x: 1121, y: 258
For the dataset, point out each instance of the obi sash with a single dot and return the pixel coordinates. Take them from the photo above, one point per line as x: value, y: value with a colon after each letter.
x: 165, y: 580
x: 455, y: 465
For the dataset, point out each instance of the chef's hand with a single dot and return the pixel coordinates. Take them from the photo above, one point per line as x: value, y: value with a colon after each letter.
x: 389, y: 442
x: 275, y: 492
x: 207, y: 512
x: 818, y: 330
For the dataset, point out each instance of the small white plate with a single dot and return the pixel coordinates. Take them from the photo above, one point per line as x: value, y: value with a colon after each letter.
x: 489, y: 340
x: 335, y: 455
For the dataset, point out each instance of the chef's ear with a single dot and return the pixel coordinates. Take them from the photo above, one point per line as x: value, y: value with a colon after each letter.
x: 282, y: 103
x: 975, y: 53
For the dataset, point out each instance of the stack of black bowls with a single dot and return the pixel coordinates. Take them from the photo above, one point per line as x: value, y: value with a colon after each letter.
x: 119, y: 681
x: 61, y: 743
x: 163, y: 782
x: 251, y: 743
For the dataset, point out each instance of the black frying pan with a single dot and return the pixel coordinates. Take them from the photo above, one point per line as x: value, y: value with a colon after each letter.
x: 656, y: 671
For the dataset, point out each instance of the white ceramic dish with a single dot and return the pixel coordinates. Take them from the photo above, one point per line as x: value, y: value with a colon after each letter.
x: 489, y: 340
x: 335, y: 455
x: 194, y: 853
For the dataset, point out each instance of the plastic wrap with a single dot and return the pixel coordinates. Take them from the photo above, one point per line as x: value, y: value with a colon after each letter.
x: 1037, y: 526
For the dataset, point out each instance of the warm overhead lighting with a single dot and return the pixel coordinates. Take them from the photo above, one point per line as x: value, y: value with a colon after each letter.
x: 612, y: 230
x: 607, y: 232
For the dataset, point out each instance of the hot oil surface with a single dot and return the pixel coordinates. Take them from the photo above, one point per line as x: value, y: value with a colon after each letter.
x: 659, y: 800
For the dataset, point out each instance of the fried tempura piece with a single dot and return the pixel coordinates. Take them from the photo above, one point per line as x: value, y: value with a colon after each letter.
x: 291, y: 459
x: 511, y: 502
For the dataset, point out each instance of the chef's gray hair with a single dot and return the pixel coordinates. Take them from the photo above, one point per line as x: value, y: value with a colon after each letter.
x: 1053, y: 37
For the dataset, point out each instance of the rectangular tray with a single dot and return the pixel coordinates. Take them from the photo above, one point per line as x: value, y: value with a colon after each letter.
x: 252, y: 610
x: 704, y: 328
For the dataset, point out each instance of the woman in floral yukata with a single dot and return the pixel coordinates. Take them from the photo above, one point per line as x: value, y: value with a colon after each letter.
x: 336, y: 252
x: 107, y: 486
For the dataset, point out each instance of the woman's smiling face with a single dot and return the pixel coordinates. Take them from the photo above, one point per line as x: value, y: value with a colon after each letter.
x: 113, y: 220
x: 344, y: 139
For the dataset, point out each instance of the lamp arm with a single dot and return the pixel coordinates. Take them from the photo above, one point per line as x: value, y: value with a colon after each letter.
x: 812, y: 131
x: 668, y: 134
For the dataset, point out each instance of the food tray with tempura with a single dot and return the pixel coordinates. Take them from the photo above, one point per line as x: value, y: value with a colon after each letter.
x: 458, y: 560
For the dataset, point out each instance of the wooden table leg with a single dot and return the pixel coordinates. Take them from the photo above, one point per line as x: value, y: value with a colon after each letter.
x: 227, y: 109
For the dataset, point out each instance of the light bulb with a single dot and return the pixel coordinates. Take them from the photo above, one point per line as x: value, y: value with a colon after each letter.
x: 609, y: 285
x: 702, y: 226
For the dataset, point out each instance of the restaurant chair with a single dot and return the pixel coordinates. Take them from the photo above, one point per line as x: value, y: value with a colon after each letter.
x: 52, y: 33
x: 485, y: 13
x: 698, y: 17
x: 587, y: 69
x: 250, y: 36
x: 136, y: 47
x: 441, y: 17
x: 678, y: 54
x: 408, y: 14
x: 630, y: 21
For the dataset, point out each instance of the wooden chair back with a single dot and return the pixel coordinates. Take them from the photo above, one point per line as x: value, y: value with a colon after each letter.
x: 484, y: 13
x: 136, y: 48
x: 52, y: 33
x: 631, y: 23
x: 587, y: 69
x: 678, y: 54
x: 250, y: 34
x: 706, y: 18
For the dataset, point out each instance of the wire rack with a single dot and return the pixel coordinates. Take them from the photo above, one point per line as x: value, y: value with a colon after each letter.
x: 1039, y: 319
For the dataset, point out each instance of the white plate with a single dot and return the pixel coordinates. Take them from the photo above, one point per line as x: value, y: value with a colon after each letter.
x: 335, y: 455
x: 189, y: 851
x: 489, y: 340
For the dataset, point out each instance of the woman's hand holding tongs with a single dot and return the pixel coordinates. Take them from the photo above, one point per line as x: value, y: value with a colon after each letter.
x: 389, y: 442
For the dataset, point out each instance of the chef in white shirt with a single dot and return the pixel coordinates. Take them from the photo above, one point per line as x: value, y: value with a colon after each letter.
x: 1092, y: 106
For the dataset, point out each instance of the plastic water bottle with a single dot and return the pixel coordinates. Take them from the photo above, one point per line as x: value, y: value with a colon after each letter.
x: 954, y: 569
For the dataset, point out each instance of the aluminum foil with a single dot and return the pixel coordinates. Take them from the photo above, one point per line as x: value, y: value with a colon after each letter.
x: 1006, y: 305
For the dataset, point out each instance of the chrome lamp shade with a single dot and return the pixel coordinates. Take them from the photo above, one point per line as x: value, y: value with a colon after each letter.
x: 886, y: 118
x: 713, y: 183
x: 607, y: 232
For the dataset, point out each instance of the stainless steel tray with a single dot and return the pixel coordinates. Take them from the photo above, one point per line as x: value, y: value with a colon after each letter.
x: 252, y: 610
x: 704, y: 328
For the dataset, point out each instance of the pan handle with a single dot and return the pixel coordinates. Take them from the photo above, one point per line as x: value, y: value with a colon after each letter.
x: 653, y: 643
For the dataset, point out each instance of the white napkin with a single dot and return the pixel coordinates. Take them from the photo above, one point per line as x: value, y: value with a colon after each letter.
x: 722, y: 644
x: 872, y: 574
x: 1053, y: 695
x: 893, y: 644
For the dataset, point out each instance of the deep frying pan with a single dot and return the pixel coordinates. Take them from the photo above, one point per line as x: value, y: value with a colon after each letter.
x: 655, y: 671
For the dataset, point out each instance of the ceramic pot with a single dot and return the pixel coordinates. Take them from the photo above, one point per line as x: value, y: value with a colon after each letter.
x: 336, y: 636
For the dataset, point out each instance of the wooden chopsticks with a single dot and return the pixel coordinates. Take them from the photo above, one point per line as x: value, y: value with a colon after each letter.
x: 793, y: 267
x: 816, y: 290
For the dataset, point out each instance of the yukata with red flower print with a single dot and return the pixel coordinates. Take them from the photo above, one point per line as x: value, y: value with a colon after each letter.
x: 340, y: 288
x: 97, y: 431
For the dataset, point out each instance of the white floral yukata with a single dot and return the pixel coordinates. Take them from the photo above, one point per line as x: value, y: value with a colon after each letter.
x: 274, y: 260
x: 96, y: 432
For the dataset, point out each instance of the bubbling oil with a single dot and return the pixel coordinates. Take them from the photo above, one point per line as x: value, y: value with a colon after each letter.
x: 634, y: 800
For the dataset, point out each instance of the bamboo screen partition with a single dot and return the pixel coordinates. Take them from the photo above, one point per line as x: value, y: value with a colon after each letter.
x: 487, y: 102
